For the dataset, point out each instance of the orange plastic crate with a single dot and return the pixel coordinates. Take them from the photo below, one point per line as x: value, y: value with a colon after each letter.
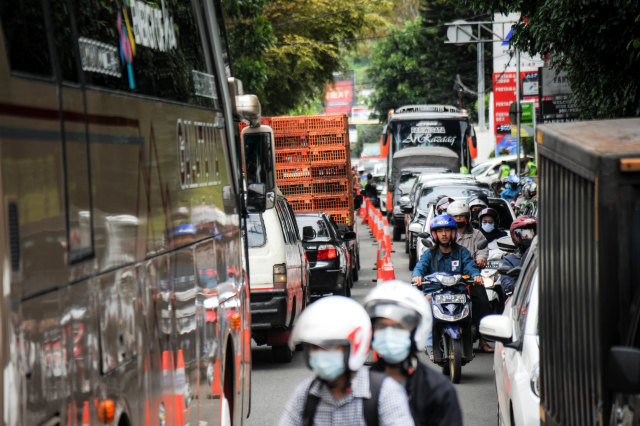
x: 292, y: 156
x: 329, y: 171
x: 328, y: 154
x: 293, y: 172
x: 327, y: 122
x: 301, y: 204
x: 342, y: 216
x: 294, y: 140
x: 322, y: 139
x: 288, y: 124
x: 296, y: 188
x: 331, y: 203
x: 330, y: 187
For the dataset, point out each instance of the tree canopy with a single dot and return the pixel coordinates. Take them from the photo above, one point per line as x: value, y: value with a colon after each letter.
x: 596, y: 42
x: 414, y: 65
x: 286, y: 51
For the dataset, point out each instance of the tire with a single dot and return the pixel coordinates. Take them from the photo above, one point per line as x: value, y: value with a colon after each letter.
x: 355, y: 275
x: 455, y: 359
x: 282, y: 353
x: 347, y: 287
x: 412, y: 259
x: 397, y: 233
x: 406, y: 245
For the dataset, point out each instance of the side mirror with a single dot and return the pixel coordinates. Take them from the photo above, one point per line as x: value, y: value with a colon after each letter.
x: 257, y: 198
x: 424, y: 235
x: 415, y: 228
x: 404, y: 200
x: 506, y: 244
x: 349, y: 236
x: 406, y: 209
x: 248, y: 108
x: 228, y: 203
x: 496, y: 327
x: 308, y: 233
x: 623, y: 370
x: 510, y: 272
x: 483, y: 244
x: 428, y: 243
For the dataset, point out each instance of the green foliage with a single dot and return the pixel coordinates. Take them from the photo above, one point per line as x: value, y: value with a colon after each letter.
x: 596, y: 42
x: 367, y: 133
x: 414, y: 65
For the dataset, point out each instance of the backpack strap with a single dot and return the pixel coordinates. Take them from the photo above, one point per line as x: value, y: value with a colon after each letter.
x: 310, y: 406
x: 370, y: 406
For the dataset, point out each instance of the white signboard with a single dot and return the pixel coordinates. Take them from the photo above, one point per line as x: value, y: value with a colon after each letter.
x: 502, y: 51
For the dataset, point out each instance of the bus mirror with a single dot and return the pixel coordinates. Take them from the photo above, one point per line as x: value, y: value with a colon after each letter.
x: 257, y: 198
x: 248, y: 108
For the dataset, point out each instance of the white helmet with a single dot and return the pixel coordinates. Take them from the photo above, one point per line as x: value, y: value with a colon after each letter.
x: 458, y: 208
x: 335, y: 320
x: 403, y: 303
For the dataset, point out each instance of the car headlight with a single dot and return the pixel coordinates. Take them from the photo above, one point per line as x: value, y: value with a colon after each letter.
x: 535, y: 380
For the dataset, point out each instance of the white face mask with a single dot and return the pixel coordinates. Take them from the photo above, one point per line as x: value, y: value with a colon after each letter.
x: 487, y: 227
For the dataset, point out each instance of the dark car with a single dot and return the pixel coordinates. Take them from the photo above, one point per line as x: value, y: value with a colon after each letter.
x: 328, y: 254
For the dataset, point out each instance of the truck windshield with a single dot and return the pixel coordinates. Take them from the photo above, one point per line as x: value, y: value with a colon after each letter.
x: 438, y: 132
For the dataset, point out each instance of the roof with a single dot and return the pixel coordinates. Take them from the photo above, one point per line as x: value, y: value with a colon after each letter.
x: 420, y: 112
x: 429, y: 151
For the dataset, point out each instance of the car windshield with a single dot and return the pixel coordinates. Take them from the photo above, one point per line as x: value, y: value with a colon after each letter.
x: 316, y: 222
x: 477, y: 171
x: 431, y: 195
x: 255, y: 230
x: 406, y: 183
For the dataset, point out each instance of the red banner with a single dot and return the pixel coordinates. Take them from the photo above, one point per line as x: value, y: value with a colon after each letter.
x: 339, y: 97
x: 504, y: 92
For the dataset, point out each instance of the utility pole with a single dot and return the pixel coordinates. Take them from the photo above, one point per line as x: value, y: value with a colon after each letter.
x: 518, y: 112
x: 480, y: 48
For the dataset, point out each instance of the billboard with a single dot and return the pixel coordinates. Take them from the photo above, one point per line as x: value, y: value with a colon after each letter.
x: 339, y: 97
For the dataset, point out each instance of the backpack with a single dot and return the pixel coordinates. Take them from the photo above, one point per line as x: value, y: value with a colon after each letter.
x: 369, y: 406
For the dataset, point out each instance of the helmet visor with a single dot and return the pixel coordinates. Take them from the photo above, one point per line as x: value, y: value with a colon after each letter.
x: 405, y: 316
x: 525, y: 234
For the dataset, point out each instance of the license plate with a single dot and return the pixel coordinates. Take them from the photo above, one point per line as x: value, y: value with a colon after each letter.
x: 493, y: 264
x: 450, y: 298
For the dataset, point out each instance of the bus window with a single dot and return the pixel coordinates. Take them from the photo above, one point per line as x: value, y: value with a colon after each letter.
x: 143, y: 48
x: 25, y: 37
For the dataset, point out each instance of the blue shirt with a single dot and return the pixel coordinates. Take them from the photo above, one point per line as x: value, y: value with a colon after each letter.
x: 458, y: 261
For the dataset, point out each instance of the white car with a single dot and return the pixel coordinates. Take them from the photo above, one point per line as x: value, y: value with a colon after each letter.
x: 489, y: 171
x: 517, y: 352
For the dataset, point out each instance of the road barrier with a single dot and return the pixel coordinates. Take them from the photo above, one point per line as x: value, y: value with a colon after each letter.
x: 379, y: 226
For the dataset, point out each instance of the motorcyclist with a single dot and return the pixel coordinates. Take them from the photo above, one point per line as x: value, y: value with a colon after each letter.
x: 490, y: 225
x: 336, y: 332
x: 443, y: 204
x: 471, y: 239
x: 467, y: 236
x: 370, y: 190
x: 402, y: 321
x: 529, y: 191
x: 512, y: 187
x: 505, y: 170
x: 476, y: 204
x: 530, y: 169
x: 446, y: 256
x: 522, y: 230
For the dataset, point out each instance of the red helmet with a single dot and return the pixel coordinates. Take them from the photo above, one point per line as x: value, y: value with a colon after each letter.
x: 523, y: 229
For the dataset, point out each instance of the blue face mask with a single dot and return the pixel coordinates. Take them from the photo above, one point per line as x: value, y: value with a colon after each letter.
x: 327, y: 364
x: 393, y: 344
x: 487, y: 227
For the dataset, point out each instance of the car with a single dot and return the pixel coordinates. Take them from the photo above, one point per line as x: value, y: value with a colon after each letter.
x: 489, y: 171
x: 327, y: 251
x: 517, y: 352
x: 279, y: 287
x: 428, y: 194
x: 502, y: 206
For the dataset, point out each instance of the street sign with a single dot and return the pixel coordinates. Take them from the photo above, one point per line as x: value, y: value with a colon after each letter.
x: 459, y: 33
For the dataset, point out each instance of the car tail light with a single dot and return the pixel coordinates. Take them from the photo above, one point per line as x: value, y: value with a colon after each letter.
x: 280, y: 276
x: 326, y: 252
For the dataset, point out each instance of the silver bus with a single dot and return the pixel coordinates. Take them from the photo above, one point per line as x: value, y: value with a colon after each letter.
x: 124, y: 285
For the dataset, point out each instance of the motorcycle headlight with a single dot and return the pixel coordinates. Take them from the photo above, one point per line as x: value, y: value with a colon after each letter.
x: 448, y: 280
x: 488, y: 282
x: 535, y: 380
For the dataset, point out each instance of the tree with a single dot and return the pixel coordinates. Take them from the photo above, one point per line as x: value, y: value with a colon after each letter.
x: 414, y: 65
x: 596, y: 42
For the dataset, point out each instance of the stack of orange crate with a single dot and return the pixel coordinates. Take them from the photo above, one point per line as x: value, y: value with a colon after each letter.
x: 313, y: 164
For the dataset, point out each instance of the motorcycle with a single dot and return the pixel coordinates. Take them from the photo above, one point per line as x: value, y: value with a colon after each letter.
x: 452, y: 333
x: 491, y: 276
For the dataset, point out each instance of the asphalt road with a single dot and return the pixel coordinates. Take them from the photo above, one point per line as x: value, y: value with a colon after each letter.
x: 273, y: 383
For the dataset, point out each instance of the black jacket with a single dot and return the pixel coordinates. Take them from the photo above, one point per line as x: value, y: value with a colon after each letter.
x: 493, y: 235
x: 432, y: 397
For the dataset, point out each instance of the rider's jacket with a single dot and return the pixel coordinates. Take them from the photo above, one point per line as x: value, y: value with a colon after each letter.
x: 458, y: 261
x: 470, y: 239
x: 494, y: 235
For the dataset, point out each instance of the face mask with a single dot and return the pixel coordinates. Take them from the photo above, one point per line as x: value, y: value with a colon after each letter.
x: 461, y: 224
x: 487, y: 227
x: 392, y: 344
x: 327, y: 364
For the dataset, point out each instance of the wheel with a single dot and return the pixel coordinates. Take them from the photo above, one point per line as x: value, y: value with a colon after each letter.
x: 354, y: 274
x: 406, y: 245
x: 455, y: 359
x: 412, y: 259
x: 396, y: 233
x: 282, y: 353
x: 347, y: 287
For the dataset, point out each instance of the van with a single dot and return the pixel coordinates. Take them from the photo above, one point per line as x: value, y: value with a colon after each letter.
x: 278, y: 276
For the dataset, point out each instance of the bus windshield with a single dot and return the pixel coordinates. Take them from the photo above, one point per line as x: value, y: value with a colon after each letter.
x: 428, y: 132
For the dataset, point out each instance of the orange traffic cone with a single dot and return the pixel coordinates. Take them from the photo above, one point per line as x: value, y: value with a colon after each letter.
x: 178, y: 391
x: 86, y: 416
x: 167, y: 386
x: 380, y: 278
x: 387, y: 270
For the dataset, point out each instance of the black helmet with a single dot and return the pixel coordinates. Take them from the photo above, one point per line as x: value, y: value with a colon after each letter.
x: 490, y: 212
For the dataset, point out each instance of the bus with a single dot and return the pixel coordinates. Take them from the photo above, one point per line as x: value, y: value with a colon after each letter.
x: 426, y: 126
x: 124, y: 259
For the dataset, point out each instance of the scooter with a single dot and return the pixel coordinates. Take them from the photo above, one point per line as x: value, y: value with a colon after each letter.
x: 491, y: 278
x: 452, y: 334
